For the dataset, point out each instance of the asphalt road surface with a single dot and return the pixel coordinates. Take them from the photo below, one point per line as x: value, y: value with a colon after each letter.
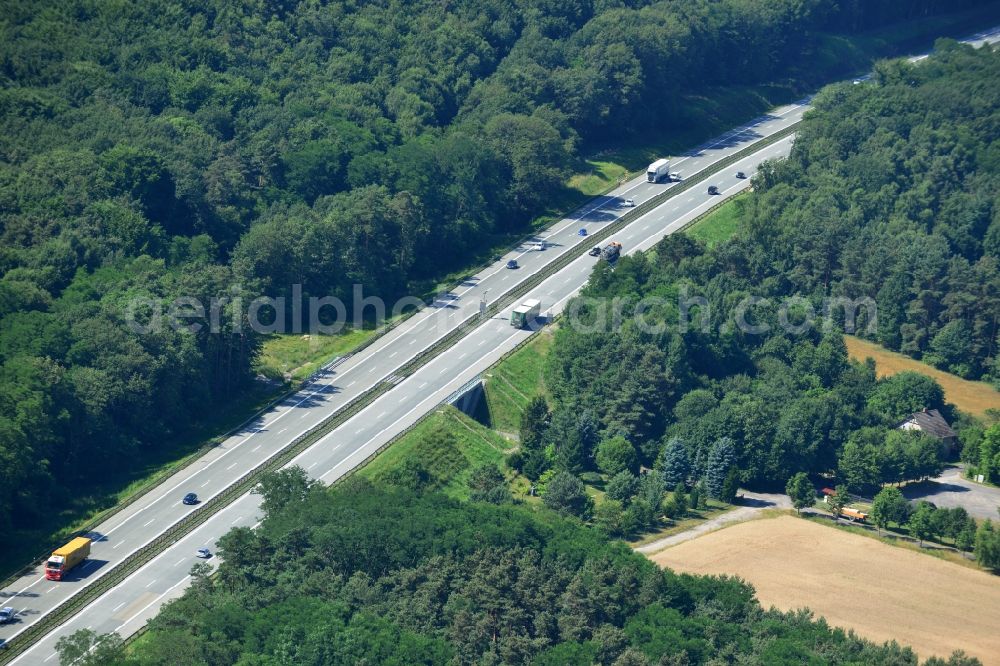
x: 129, y: 605
x: 950, y: 490
x: 748, y: 507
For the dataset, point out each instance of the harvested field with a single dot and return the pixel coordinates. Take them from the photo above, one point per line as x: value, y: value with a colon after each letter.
x: 971, y: 397
x: 856, y: 582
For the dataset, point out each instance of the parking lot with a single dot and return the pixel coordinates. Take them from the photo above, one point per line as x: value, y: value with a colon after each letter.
x: 951, y: 490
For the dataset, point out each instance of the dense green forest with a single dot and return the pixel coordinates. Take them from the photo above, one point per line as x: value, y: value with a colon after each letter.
x: 174, y: 148
x: 391, y: 575
x: 890, y: 192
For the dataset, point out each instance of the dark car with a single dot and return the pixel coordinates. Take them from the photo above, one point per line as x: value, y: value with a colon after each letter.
x: 190, y: 498
x: 581, y: 232
x: 712, y: 189
x: 512, y: 263
x: 740, y: 174
x: 595, y: 252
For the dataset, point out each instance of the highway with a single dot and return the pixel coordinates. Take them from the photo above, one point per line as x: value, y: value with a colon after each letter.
x: 129, y: 605
x: 138, y: 524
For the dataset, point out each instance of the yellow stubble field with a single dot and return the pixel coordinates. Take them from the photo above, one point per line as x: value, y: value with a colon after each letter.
x: 880, y: 591
x: 972, y: 397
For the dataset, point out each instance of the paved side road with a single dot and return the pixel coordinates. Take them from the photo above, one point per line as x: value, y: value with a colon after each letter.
x: 950, y: 490
x: 751, y: 504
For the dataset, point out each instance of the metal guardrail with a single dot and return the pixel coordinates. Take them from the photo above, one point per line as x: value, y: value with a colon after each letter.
x: 196, y: 455
x: 244, y: 484
x: 184, y: 463
x: 462, y: 390
x: 406, y: 431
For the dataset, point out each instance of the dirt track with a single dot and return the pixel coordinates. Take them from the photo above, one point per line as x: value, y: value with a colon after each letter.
x: 880, y: 591
x: 751, y: 505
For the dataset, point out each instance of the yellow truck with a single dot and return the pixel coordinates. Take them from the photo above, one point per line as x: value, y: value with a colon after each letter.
x: 65, y: 558
x: 853, y: 514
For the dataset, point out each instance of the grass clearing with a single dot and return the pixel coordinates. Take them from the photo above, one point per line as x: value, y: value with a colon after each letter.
x: 882, y: 592
x: 512, y: 383
x: 705, y: 115
x: 448, y: 444
x: 971, y: 397
x: 720, y: 225
x: 708, y: 113
x: 712, y: 111
x: 294, y: 357
x: 602, y: 176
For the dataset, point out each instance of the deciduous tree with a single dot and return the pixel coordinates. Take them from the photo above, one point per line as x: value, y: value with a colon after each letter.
x: 615, y: 455
x: 801, y: 491
x: 838, y: 500
x: 889, y: 505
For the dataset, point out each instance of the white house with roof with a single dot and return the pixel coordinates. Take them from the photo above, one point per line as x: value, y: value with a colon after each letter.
x: 931, y: 422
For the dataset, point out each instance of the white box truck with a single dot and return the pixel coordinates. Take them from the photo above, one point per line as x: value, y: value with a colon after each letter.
x: 525, y: 313
x: 657, y: 171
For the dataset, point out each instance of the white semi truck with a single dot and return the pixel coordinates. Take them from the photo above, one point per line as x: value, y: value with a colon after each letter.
x: 657, y: 171
x: 525, y: 313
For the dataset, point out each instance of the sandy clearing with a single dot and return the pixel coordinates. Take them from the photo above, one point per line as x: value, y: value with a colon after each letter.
x: 880, y: 591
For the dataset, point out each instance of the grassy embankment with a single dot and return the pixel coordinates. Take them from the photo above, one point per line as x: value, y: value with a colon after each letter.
x: 296, y: 357
x: 511, y: 384
x: 711, y: 112
x: 720, y: 224
x: 450, y: 444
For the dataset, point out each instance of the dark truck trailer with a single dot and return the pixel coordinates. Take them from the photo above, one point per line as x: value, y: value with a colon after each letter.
x: 611, y: 252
